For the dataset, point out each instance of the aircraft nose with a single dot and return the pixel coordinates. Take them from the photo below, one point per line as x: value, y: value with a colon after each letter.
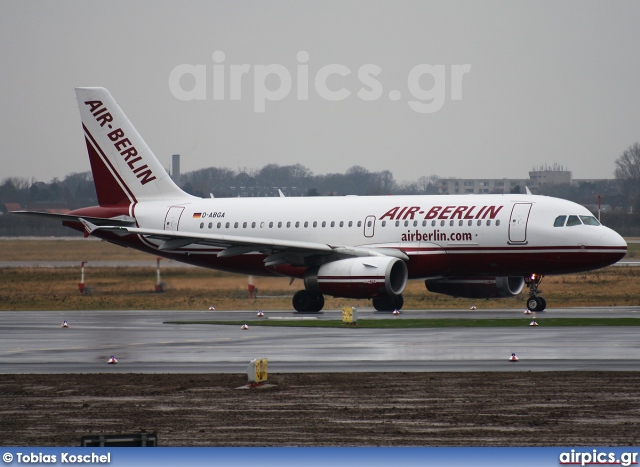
x: 612, y: 238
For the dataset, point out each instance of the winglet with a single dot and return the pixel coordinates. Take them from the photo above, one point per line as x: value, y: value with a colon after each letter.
x: 528, y: 190
x: 88, y: 227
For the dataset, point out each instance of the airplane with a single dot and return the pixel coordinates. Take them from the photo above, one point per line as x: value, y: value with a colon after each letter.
x: 472, y: 246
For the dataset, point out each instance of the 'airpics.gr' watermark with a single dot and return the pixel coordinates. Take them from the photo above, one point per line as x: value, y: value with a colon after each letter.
x: 226, y: 81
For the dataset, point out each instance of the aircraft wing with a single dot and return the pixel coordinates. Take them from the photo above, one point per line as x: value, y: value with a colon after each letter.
x: 278, y: 251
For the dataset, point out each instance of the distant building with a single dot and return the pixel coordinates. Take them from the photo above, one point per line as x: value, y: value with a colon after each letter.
x: 543, y: 175
x: 466, y: 186
x: 550, y: 175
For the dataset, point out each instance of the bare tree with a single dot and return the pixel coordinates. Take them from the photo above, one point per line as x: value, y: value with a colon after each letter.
x: 628, y: 169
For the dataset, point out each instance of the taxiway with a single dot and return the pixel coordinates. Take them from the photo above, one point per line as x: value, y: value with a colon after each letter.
x: 143, y: 342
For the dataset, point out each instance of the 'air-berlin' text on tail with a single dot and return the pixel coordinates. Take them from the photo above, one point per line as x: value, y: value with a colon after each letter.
x: 124, y: 169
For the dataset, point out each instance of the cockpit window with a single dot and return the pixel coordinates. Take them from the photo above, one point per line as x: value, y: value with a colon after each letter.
x: 589, y: 220
x: 573, y: 220
x: 559, y: 222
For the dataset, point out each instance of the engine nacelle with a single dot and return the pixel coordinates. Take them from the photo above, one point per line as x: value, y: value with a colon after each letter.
x: 364, y: 277
x: 477, y: 287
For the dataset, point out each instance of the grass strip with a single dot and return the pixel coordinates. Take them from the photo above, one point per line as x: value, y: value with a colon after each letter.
x: 392, y: 323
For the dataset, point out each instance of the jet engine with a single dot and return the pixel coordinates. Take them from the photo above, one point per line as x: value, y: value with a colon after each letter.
x: 477, y: 287
x: 363, y: 277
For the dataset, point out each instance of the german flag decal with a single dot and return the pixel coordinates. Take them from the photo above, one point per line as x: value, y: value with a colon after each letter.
x: 197, y: 215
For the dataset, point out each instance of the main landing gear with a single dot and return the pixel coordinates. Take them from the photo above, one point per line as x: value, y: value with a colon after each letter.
x: 388, y: 303
x: 534, y: 302
x: 305, y: 301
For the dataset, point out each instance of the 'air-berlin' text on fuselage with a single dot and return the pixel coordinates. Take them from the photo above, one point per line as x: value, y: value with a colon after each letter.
x: 121, y: 143
x: 442, y: 212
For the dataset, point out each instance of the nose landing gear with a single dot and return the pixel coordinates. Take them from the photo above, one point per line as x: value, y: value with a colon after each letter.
x: 534, y: 302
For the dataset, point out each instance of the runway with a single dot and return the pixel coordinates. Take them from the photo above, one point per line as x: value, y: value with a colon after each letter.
x: 34, y: 342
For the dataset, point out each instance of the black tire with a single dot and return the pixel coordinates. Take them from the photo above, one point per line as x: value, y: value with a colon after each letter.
x: 381, y: 304
x: 302, y: 301
x: 388, y: 303
x: 544, y: 303
x: 535, y: 304
x: 318, y: 303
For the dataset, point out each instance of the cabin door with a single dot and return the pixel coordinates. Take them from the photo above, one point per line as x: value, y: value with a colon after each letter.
x: 172, y: 219
x: 518, y: 222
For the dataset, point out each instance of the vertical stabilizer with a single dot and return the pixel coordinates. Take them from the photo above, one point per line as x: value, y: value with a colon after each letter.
x: 124, y: 168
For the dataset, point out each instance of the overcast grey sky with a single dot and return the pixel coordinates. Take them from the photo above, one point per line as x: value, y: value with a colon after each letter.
x: 549, y: 82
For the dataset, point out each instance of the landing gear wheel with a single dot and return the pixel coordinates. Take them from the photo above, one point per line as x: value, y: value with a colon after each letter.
x: 544, y: 303
x: 318, y: 301
x: 305, y: 301
x: 535, y: 304
x: 388, y: 303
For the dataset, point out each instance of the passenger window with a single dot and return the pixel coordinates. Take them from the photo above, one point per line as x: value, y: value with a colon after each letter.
x: 324, y: 223
x: 279, y: 225
x: 244, y: 225
x: 559, y: 222
x: 460, y: 223
x: 397, y: 223
x: 333, y: 223
x: 573, y: 220
x: 288, y: 224
x: 469, y: 223
x: 424, y: 223
x: 451, y: 222
x: 201, y: 225
x: 219, y: 224
x: 297, y: 224
x: 210, y: 224
x: 235, y: 225
x: 497, y: 222
x: 406, y: 223
x: 315, y: 224
x: 350, y: 223
x: 306, y: 224
x: 384, y: 223
x: 271, y: 225
x: 415, y: 223
x: 359, y: 223
x: 369, y: 224
x: 253, y: 225
x: 589, y: 220
x: 441, y: 223
x: 341, y: 223
x: 488, y: 221
x: 479, y: 223
x: 227, y: 225
x: 433, y: 223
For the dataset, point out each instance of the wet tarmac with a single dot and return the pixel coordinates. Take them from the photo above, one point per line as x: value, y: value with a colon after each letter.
x: 143, y: 342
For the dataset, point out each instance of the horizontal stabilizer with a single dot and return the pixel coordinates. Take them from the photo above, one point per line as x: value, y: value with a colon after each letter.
x: 124, y: 221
